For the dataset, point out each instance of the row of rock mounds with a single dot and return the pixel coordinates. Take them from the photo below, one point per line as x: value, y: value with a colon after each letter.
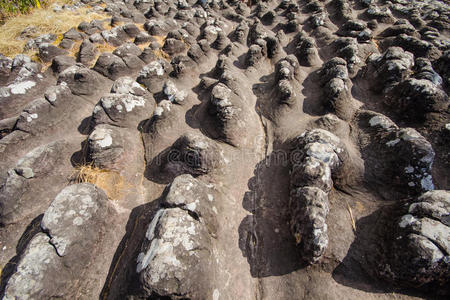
x: 416, y: 245
x: 316, y: 157
x: 411, y: 87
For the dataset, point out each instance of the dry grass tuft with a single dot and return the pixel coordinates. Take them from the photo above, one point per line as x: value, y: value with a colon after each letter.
x: 101, y: 48
x: 161, y: 54
x: 143, y: 46
x: 110, y: 181
x: 58, y: 39
x: 105, y: 47
x: 75, y: 49
x: 377, y: 44
x: 160, y: 39
x: 351, y: 217
x: 46, y: 21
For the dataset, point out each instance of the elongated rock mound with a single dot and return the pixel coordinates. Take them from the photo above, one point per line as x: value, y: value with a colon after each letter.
x: 226, y: 149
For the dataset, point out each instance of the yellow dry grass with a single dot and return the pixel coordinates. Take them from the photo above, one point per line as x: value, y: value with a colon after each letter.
x: 160, y: 39
x: 75, y: 49
x: 351, y: 216
x: 110, y: 181
x: 376, y: 43
x: 161, y: 54
x: 46, y: 21
x: 102, y: 48
x: 143, y: 46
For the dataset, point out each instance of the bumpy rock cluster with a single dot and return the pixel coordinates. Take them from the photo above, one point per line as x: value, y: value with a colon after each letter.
x: 419, y: 253
x: 176, y: 253
x: 412, y: 88
x: 317, y: 155
x: 407, y: 155
x: 336, y: 91
x: 213, y: 149
x: 59, y: 246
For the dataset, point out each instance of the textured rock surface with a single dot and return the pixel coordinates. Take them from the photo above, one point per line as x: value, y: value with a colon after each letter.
x: 226, y: 149
x: 76, y: 220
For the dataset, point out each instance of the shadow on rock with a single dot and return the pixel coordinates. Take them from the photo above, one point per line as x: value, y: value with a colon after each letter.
x: 264, y: 237
x: 122, y: 276
x: 79, y: 157
x: 361, y: 268
x: 363, y: 254
x: 10, y: 268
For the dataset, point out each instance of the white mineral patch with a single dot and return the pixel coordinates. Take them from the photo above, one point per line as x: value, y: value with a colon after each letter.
x: 436, y: 253
x: 201, y: 145
x: 27, y: 280
x: 106, y: 141
x: 60, y: 244
x: 69, y: 213
x: 409, y: 169
x: 381, y: 121
x: 51, y: 97
x: 165, y: 105
x: 192, y: 206
x: 97, y: 108
x: 216, y: 294
x: 154, y: 67
x: 102, y: 137
x: 152, y: 226
x: 428, y: 158
x: 107, y: 102
x: 210, y: 197
x: 427, y: 183
x: 22, y: 87
x: 406, y: 220
x: 392, y: 143
x: 132, y: 102
x: 323, y: 152
x: 158, y: 111
x: 31, y: 117
x: 436, y: 232
x: 4, y: 92
x: 409, y: 134
x: 78, y: 221
x: 144, y: 259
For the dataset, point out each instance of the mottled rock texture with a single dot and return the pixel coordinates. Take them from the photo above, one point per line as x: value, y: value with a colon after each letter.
x: 227, y: 149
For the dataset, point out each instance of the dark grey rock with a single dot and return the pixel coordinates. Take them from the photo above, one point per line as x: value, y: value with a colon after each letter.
x: 414, y: 98
x: 87, y: 53
x: 47, y: 52
x: 419, y: 250
x: 172, y: 46
x: 66, y: 44
x: 74, y: 35
x: 154, y: 74
x: 78, y: 219
x: 123, y: 110
x: 79, y: 79
x: 111, y: 66
x: 105, y: 147
x: 142, y: 38
x: 254, y: 55
x: 131, y: 30
x: 60, y: 63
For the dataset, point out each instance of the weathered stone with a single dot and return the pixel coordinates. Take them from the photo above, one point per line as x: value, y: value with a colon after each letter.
x: 110, y: 66
x: 60, y: 63
x: 47, y: 52
x: 79, y: 79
